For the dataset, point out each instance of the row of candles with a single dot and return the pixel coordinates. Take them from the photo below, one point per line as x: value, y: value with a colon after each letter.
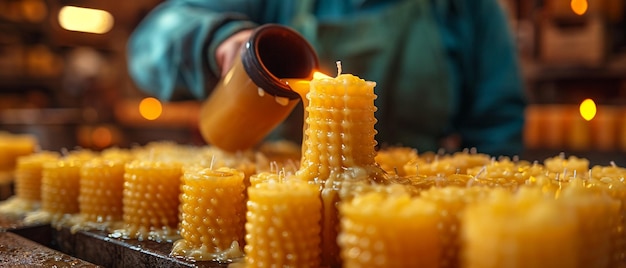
x: 432, y: 218
x: 562, y: 127
x: 345, y: 204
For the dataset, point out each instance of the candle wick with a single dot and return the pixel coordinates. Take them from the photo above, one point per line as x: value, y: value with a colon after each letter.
x: 613, y: 164
x: 212, y: 161
x: 338, y: 67
x: 64, y: 151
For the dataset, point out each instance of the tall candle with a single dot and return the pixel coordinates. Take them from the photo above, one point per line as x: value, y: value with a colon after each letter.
x: 338, y: 145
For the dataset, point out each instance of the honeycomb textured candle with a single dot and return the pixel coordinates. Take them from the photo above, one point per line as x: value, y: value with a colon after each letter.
x: 28, y: 173
x: 60, y: 187
x: 527, y: 229
x: 338, y: 145
x: 389, y: 231
x: 283, y: 225
x: 340, y: 132
x: 213, y: 213
x: 101, y: 188
x: 597, y: 215
x: 605, y: 179
x: 151, y: 199
x: 450, y: 203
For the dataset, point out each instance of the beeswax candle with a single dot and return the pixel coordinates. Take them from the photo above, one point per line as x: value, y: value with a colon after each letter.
x: 567, y: 166
x: 450, y: 203
x: 392, y: 160
x: 338, y: 145
x: 340, y: 132
x: 60, y: 184
x: 213, y: 214
x: 610, y: 181
x: 101, y: 188
x: 265, y: 177
x: 28, y: 173
x: 389, y: 231
x: 598, y: 216
x: 150, y: 200
x: 527, y: 229
x: 283, y: 225
x: 13, y: 146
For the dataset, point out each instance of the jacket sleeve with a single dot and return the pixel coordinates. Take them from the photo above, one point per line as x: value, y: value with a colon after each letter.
x: 493, y: 108
x: 171, y: 52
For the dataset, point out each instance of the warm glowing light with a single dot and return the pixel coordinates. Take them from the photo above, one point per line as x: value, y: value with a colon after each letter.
x: 579, y: 6
x: 318, y: 75
x: 88, y: 20
x: 101, y: 137
x: 588, y: 109
x: 34, y: 10
x: 150, y: 108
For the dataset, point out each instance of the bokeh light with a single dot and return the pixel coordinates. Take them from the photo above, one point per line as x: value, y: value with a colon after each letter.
x: 87, y: 20
x: 579, y: 6
x: 150, y: 108
x: 101, y: 137
x: 588, y: 109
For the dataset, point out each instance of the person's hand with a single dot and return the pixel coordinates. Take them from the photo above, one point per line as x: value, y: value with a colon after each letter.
x: 227, y: 51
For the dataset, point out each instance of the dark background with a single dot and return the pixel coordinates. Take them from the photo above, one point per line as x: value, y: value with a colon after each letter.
x: 72, y: 88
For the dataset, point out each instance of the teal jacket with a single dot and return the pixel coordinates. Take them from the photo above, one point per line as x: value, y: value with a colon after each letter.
x: 442, y: 67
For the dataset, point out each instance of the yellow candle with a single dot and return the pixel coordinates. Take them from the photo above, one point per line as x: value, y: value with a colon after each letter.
x: 389, y: 231
x: 527, y: 229
x: 340, y: 132
x: 12, y: 146
x: 338, y: 145
x: 567, y: 166
x: 598, y: 217
x: 610, y: 180
x: 60, y: 185
x: 150, y: 200
x: 393, y: 159
x: 426, y: 182
x: 283, y: 225
x: 28, y: 174
x: 213, y: 214
x: 101, y: 187
x: 502, y: 174
x: 441, y: 166
x: 265, y: 177
x: 579, y: 138
x: 450, y: 203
